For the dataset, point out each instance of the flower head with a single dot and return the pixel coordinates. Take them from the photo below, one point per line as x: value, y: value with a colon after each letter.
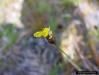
x: 44, y: 32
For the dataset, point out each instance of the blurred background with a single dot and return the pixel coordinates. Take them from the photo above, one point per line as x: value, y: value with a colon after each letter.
x: 74, y: 45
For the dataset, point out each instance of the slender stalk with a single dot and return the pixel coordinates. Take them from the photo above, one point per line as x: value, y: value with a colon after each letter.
x: 94, y: 52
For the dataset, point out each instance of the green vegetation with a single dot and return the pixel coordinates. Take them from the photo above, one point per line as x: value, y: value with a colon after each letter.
x: 70, y: 2
x: 53, y: 25
x: 62, y: 17
x: 43, y: 7
x: 8, y: 31
x: 94, y: 33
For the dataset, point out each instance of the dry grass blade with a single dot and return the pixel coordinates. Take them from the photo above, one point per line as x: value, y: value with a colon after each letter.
x: 81, y: 56
x: 70, y: 61
x: 93, y: 66
x: 94, y: 52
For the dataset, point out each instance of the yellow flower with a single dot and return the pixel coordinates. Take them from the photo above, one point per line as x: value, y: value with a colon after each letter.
x: 44, y: 33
